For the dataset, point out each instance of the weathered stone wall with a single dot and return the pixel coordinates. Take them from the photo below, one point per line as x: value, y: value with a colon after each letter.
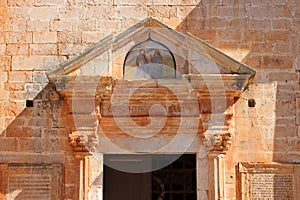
x: 35, y: 35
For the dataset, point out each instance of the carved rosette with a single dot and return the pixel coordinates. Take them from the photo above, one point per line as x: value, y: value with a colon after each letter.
x: 84, y: 141
x: 218, y: 139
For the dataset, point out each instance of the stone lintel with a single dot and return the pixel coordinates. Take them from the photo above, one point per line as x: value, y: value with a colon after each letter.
x: 266, y: 167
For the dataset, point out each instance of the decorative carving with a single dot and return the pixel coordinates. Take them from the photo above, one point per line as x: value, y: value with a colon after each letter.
x: 217, y: 139
x: 84, y: 141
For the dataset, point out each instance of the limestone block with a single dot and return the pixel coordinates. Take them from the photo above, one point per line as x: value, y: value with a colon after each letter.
x: 297, y: 63
x: 271, y: 12
x: 60, y: 133
x: 287, y: 77
x: 68, y: 37
x: 40, y: 77
x: 131, y: 12
x: 1, y: 37
x: 17, y: 95
x: 72, y: 13
x: 296, y: 24
x: 160, y: 2
x: 254, y: 35
x: 38, y: 25
x: 3, y: 77
x: 23, y: 132
x: 183, y: 11
x: 282, y: 48
x: 42, y: 108
x: 69, y: 189
x: 43, y: 13
x: 286, y: 131
x: 18, y: 37
x: 279, y: 36
x: 4, y: 95
x: 43, y: 49
x: 295, y: 144
x: 277, y: 62
x: 45, y: 37
x: 100, y: 12
x: 48, y: 2
x: 60, y: 122
x: 70, y: 49
x: 86, y: 25
x: 54, y: 145
x: 40, y: 122
x: 58, y: 25
x: 19, y: 12
x: 17, y: 49
x: 259, y: 47
x: 108, y: 25
x: 33, y: 89
x: 298, y: 111
x: 229, y: 35
x: 282, y: 145
x: 17, y: 86
x: 19, y: 77
x: 129, y: 2
x: 20, y: 2
x: 259, y: 24
x: 5, y: 63
x: 2, y: 49
x: 13, y: 109
x: 34, y: 62
x: 15, y: 25
x: 8, y: 144
x: 281, y: 24
x: 92, y: 36
x: 285, y: 108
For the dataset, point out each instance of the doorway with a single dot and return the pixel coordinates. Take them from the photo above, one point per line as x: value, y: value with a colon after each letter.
x: 175, y: 181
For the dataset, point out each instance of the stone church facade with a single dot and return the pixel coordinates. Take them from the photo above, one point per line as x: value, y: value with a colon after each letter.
x: 131, y: 99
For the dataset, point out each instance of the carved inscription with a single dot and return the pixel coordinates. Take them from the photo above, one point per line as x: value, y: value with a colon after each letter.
x: 146, y: 109
x: 31, y: 182
x: 271, y: 186
x: 30, y: 186
x: 268, y: 181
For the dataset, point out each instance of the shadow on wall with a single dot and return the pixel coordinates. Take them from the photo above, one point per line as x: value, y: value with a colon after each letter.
x: 266, y: 43
x: 36, y: 138
x: 42, y: 127
x: 254, y: 33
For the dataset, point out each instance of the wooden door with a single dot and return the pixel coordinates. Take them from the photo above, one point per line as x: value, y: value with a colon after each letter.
x: 125, y: 185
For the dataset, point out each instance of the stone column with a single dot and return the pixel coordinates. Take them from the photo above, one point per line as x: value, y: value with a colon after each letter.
x: 216, y: 174
x: 89, y: 176
x: 82, y: 175
x: 3, y: 180
x: 96, y: 177
x: 202, y: 178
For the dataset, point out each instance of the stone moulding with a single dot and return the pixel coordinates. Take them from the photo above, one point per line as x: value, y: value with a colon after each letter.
x: 205, y: 75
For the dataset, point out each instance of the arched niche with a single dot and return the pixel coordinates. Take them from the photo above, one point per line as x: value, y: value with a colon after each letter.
x: 149, y: 60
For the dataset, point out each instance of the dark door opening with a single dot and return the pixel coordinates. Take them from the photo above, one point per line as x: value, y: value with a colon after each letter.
x: 175, y: 181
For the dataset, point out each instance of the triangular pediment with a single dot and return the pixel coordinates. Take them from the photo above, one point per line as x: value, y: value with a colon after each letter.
x: 191, y: 54
x: 151, y: 70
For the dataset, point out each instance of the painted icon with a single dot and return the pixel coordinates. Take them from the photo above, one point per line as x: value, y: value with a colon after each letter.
x: 149, y: 60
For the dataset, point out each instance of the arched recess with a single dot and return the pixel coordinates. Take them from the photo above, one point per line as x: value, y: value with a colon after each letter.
x: 149, y: 60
